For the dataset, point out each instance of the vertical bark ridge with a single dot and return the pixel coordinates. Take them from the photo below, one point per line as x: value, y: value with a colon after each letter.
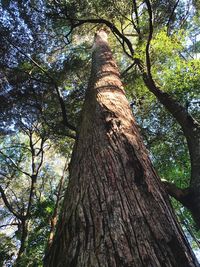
x: 115, y: 211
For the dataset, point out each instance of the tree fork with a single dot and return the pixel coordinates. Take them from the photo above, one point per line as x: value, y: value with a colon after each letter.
x: 115, y: 211
x: 186, y: 197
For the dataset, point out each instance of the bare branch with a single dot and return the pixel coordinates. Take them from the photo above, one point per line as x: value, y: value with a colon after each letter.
x: 129, y: 67
x: 171, y: 16
x: 41, y: 151
x: 8, y: 205
x: 16, y: 199
x: 137, y: 25
x: 150, y: 13
x: 9, y: 224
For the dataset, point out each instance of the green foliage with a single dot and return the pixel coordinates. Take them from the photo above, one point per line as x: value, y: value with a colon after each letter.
x: 17, y: 158
x: 186, y: 220
x: 44, y: 209
x: 38, y: 233
x: 7, y: 249
x: 173, y: 70
x: 165, y: 47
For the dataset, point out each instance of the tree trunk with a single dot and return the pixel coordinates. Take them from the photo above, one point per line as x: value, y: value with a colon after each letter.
x: 54, y: 217
x: 115, y: 212
x: 23, y: 241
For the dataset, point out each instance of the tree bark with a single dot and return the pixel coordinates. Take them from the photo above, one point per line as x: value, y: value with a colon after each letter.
x: 115, y: 212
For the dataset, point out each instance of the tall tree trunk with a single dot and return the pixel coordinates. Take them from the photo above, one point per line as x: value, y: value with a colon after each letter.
x: 115, y: 212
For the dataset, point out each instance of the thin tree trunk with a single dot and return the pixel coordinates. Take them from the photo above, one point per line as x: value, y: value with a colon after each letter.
x: 115, y: 211
x: 54, y: 217
x: 23, y: 242
x: 25, y: 220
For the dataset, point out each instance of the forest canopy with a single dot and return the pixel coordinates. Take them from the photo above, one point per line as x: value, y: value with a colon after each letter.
x: 45, y: 65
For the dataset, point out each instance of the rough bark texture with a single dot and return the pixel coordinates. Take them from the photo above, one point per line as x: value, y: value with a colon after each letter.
x: 115, y: 211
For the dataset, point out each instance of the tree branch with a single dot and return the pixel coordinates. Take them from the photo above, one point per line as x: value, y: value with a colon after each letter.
x: 78, y: 22
x: 127, y: 69
x: 176, y: 192
x: 171, y: 15
x: 137, y: 25
x: 9, y: 224
x: 8, y: 205
x: 148, y: 60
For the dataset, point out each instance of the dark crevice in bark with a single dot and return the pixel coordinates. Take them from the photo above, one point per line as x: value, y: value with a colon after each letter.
x: 86, y: 226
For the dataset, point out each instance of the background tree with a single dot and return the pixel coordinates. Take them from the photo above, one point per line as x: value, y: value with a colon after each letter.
x: 29, y: 187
